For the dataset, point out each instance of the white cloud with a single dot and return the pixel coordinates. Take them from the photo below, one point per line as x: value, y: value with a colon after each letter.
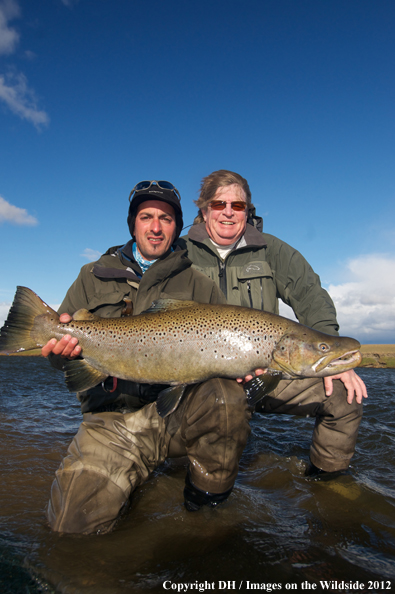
x: 9, y: 9
x: 29, y: 55
x: 287, y: 311
x: 90, y: 254
x: 13, y: 214
x: 4, y: 307
x: 14, y: 90
x: 21, y: 100
x: 366, y: 303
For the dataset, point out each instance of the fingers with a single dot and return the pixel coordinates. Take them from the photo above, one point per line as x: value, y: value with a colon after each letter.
x: 67, y: 347
x: 352, y: 382
x: 65, y: 318
x: 249, y: 377
x: 328, y: 384
x: 359, y: 388
x: 355, y: 387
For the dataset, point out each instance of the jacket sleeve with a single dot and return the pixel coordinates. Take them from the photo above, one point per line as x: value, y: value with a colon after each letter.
x: 203, y: 289
x: 77, y: 297
x: 300, y: 287
x: 217, y: 296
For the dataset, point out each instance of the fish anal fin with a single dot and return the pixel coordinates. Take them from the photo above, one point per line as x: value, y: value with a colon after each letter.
x: 261, y: 385
x: 79, y: 375
x: 169, y: 399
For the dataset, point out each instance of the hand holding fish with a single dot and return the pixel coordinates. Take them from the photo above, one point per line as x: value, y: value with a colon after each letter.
x: 67, y: 347
x: 352, y: 382
x: 247, y: 378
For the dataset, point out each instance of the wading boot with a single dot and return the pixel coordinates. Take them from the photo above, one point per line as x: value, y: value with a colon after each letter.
x: 194, y: 498
x: 317, y: 474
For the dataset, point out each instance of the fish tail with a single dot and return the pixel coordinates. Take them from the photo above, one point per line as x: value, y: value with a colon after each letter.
x: 15, y: 334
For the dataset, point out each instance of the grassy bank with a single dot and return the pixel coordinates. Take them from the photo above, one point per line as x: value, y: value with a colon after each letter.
x: 378, y: 355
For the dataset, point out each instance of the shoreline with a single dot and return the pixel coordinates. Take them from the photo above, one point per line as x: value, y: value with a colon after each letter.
x: 379, y: 356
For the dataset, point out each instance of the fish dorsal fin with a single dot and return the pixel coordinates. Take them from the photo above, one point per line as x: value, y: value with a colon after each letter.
x: 168, y: 304
x: 84, y: 314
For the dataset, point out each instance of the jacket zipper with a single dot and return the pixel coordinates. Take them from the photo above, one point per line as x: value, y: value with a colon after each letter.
x: 249, y: 292
x: 222, y: 278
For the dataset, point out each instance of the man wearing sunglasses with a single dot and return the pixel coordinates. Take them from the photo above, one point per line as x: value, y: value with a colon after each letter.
x: 255, y: 269
x: 122, y: 439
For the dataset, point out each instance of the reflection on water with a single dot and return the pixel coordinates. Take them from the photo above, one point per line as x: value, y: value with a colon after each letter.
x: 276, y: 528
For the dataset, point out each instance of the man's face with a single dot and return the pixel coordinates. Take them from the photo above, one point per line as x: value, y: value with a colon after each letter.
x: 226, y: 226
x: 155, y: 228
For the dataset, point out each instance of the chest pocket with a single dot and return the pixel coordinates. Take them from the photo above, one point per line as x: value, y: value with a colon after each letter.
x: 256, y: 286
x: 108, y: 305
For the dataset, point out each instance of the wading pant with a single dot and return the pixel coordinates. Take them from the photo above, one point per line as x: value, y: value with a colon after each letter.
x: 336, y: 422
x: 113, y: 453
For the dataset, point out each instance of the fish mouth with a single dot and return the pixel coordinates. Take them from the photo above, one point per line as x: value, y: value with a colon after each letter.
x: 350, y: 359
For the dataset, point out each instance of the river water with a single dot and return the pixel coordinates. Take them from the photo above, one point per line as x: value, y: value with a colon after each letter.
x: 277, y: 532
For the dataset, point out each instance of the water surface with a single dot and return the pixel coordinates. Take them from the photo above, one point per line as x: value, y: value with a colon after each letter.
x: 277, y: 528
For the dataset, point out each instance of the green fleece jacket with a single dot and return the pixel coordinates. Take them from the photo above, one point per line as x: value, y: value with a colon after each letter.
x: 262, y: 272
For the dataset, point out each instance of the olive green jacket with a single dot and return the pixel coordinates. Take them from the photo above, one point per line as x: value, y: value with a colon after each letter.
x: 262, y: 272
x: 114, y: 286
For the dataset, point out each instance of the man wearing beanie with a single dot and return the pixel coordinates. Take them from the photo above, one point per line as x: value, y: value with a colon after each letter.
x: 122, y: 438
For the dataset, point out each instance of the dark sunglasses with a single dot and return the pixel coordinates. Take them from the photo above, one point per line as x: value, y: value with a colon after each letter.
x: 239, y: 205
x: 163, y: 185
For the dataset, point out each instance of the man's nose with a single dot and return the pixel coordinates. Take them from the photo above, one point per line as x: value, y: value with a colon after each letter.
x: 228, y: 209
x: 156, y: 226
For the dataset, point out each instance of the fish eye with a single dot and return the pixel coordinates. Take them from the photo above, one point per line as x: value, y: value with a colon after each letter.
x: 323, y: 347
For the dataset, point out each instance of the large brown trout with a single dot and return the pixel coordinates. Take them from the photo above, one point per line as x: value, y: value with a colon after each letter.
x: 179, y: 343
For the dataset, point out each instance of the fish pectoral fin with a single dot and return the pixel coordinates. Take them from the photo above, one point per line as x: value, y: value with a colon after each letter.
x: 169, y: 304
x: 79, y: 375
x: 169, y: 399
x: 261, y: 385
x: 85, y: 314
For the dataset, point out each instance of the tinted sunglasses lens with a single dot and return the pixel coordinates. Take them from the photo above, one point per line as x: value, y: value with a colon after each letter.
x: 221, y: 205
x: 239, y: 205
x: 165, y: 185
x: 217, y: 205
x: 142, y: 185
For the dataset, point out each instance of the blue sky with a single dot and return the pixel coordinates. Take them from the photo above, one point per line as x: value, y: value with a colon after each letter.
x: 298, y: 96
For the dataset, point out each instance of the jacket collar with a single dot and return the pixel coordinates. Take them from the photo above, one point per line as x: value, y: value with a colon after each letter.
x: 119, y: 263
x: 252, y: 236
